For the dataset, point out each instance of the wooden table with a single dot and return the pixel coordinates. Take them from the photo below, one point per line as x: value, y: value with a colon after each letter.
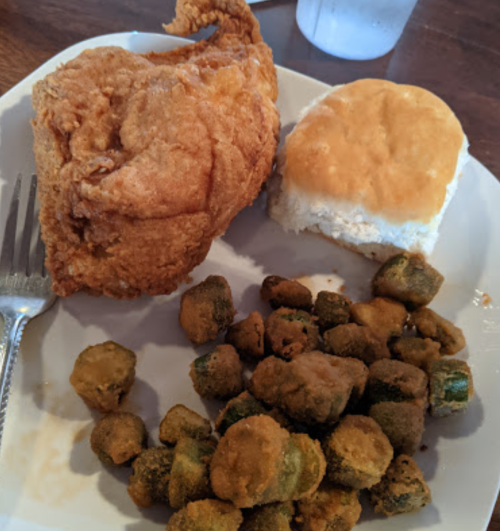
x: 451, y: 47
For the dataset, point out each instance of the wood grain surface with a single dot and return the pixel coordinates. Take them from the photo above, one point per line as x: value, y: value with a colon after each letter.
x: 451, y: 47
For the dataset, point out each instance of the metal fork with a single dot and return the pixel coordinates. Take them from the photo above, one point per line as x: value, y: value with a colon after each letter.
x: 24, y: 288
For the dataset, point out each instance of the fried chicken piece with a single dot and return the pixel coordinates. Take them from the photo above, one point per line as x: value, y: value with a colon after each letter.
x: 143, y: 160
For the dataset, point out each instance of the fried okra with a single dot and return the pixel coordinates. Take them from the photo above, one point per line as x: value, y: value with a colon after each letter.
x: 148, y: 485
x: 290, y: 332
x: 331, y: 309
x: 103, y: 375
x: 407, y: 278
x: 402, y: 489
x: 402, y: 422
x: 244, y: 406
x: 247, y: 336
x: 181, y: 422
x: 430, y: 324
x: 451, y: 387
x: 395, y: 381
x: 357, y: 372
x: 118, y: 438
x: 309, y: 389
x: 206, y: 309
x: 385, y: 318
x: 189, y: 477
x: 355, y: 341
x: 357, y: 452
x: 259, y: 462
x: 271, y: 517
x: 279, y: 291
x: 416, y: 351
x: 330, y: 508
x: 206, y: 515
x: 218, y: 374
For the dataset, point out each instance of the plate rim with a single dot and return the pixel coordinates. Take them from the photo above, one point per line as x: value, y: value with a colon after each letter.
x: 92, y: 42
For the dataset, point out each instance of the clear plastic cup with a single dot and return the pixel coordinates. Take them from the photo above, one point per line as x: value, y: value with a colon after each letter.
x: 354, y: 29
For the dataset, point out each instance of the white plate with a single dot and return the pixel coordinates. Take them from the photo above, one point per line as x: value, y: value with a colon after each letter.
x: 50, y: 480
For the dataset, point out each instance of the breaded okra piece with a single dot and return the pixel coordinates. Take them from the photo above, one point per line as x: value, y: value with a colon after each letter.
x: 218, y: 374
x: 407, y: 278
x: 247, y: 336
x: 402, y: 422
x: 290, y: 332
x: 309, y: 389
x: 271, y: 517
x: 386, y: 318
x: 259, y: 462
x: 331, y: 309
x: 103, y: 375
x: 330, y: 508
x: 244, y: 406
x: 357, y: 452
x: 402, y: 489
x: 357, y: 372
x: 118, y: 438
x: 355, y: 341
x: 206, y: 309
x: 395, y: 381
x: 181, y: 422
x: 206, y: 515
x: 451, y: 387
x: 416, y: 351
x: 430, y: 324
x: 280, y: 291
x: 190, y: 477
x: 148, y: 485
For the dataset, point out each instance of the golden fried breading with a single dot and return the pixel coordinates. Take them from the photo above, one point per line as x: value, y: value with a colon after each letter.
x: 103, y: 375
x: 218, y: 374
x: 280, y: 291
x: 143, y: 160
x: 312, y: 388
x: 289, y: 332
x: 118, y: 438
x: 385, y: 317
x: 402, y: 490
x: 402, y: 423
x: 330, y: 508
x: 206, y: 515
x: 355, y: 341
x: 432, y: 325
x: 270, y: 517
x: 357, y: 452
x: 149, y: 483
x: 247, y: 336
x: 259, y: 462
x: 206, y: 309
x: 181, y: 422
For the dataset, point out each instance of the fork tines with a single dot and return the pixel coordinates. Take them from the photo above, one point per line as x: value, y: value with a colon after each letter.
x: 25, y: 264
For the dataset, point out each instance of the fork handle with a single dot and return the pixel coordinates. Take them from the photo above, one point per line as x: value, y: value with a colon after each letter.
x: 9, y: 347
